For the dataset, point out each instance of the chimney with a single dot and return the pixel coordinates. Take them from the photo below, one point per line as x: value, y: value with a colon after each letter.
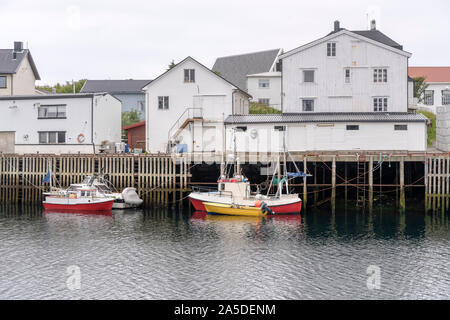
x: 337, y: 26
x: 373, y: 25
x: 18, y: 46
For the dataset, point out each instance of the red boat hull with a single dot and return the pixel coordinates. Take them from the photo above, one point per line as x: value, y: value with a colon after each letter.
x: 101, y: 206
x: 295, y: 207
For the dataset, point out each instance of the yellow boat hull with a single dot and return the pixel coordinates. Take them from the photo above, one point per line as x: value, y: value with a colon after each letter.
x: 233, y: 210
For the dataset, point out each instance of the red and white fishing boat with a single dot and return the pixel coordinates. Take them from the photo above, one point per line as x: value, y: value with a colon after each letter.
x: 82, y: 199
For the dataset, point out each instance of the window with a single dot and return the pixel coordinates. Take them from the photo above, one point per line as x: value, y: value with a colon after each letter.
x: 189, y: 75
x: 331, y: 49
x: 308, y: 105
x: 141, y: 106
x: 52, y: 137
x: 308, y: 75
x: 445, y: 97
x: 347, y: 75
x: 401, y: 127
x: 241, y: 129
x: 428, y: 97
x: 52, y: 111
x: 352, y: 127
x: 380, y: 104
x: 264, y: 83
x: 264, y: 101
x: 163, y: 103
x: 379, y: 75
x: 279, y: 128
x: 2, y: 82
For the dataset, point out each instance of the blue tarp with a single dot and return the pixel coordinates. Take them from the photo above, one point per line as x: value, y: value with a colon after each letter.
x: 46, y: 178
x: 296, y: 175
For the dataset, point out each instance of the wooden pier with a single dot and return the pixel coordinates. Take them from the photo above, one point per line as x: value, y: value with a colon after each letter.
x: 159, y: 179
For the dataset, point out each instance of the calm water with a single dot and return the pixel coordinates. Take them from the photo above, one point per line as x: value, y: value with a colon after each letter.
x: 163, y: 254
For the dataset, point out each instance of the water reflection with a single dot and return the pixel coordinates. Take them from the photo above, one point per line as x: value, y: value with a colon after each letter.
x: 164, y: 253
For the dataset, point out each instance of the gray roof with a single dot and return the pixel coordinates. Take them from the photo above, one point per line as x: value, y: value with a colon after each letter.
x: 114, y: 86
x: 8, y: 65
x: 326, y: 117
x: 236, y: 68
x: 375, y: 35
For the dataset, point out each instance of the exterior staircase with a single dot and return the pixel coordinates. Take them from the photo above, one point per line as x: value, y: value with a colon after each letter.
x: 188, y: 116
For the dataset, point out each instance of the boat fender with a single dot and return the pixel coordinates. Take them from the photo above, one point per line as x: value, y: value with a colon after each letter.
x: 81, y: 138
x: 258, y: 203
x: 265, y: 208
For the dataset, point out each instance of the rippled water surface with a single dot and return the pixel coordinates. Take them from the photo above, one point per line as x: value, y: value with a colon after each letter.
x: 178, y: 254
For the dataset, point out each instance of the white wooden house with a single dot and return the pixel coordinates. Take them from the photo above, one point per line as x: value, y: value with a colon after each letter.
x: 437, y: 94
x: 59, y: 123
x: 348, y: 90
x: 258, y: 73
x: 186, y: 107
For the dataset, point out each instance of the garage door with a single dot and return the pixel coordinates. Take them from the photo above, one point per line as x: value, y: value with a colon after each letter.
x: 7, y: 141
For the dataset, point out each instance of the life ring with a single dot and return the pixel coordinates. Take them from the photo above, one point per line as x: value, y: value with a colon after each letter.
x: 81, y: 138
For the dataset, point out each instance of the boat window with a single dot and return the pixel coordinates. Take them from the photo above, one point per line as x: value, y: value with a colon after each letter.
x: 82, y: 193
x: 221, y: 187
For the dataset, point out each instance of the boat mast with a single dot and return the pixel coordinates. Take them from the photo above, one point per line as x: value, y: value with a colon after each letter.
x: 224, y: 141
x: 284, y: 160
x: 51, y: 176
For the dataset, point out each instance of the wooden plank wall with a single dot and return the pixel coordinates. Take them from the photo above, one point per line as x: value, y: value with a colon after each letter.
x: 437, y: 182
x: 159, y: 180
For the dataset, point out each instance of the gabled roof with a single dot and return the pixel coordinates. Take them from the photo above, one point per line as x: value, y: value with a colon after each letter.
x: 236, y: 68
x: 203, y: 66
x: 8, y: 65
x: 372, y: 36
x: 114, y: 86
x: 134, y: 125
x: 431, y: 74
x: 327, y: 117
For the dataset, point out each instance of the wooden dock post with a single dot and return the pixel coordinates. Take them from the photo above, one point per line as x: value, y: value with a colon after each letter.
x: 402, y: 184
x: 305, y: 193
x: 333, y: 185
x: 370, y: 182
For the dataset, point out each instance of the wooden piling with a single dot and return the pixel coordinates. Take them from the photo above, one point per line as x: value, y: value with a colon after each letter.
x: 402, y: 184
x: 370, y: 182
x: 305, y: 192
x: 333, y: 185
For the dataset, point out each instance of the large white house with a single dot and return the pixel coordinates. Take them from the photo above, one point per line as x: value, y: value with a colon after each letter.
x: 186, y: 107
x: 59, y: 123
x: 258, y: 73
x: 18, y: 73
x: 348, y: 90
x: 437, y: 94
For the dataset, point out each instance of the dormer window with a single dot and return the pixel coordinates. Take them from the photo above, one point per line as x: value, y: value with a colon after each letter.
x: 331, y: 49
x: 189, y: 75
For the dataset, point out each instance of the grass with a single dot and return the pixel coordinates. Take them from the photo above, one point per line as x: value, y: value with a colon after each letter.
x: 259, y: 108
x: 431, y: 130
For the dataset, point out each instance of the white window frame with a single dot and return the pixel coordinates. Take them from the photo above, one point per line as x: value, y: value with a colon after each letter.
x: 426, y: 99
x: 380, y: 75
x: 348, y: 79
x: 262, y: 83
x: 6, y: 82
x: 380, y: 104
x: 189, y: 75
x: 445, y: 97
x: 48, y: 134
x: 61, y: 111
x: 400, y: 127
x: 165, y: 103
x: 331, y: 49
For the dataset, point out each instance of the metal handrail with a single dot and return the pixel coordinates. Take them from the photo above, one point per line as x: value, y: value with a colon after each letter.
x: 188, y: 112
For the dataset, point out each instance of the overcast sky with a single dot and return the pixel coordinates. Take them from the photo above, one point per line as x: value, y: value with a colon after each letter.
x: 108, y: 39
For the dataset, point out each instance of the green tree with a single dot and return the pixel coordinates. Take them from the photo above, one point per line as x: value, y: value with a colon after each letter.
x: 419, y: 88
x: 171, y: 64
x: 64, y: 88
x: 130, y: 117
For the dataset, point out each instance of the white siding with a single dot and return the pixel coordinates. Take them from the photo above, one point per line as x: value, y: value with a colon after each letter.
x: 209, y: 92
x: 330, y: 92
x: 330, y: 137
x: 21, y: 117
x: 273, y: 93
x: 437, y: 88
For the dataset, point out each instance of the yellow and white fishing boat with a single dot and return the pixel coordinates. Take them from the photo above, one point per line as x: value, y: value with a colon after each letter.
x: 236, y: 210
